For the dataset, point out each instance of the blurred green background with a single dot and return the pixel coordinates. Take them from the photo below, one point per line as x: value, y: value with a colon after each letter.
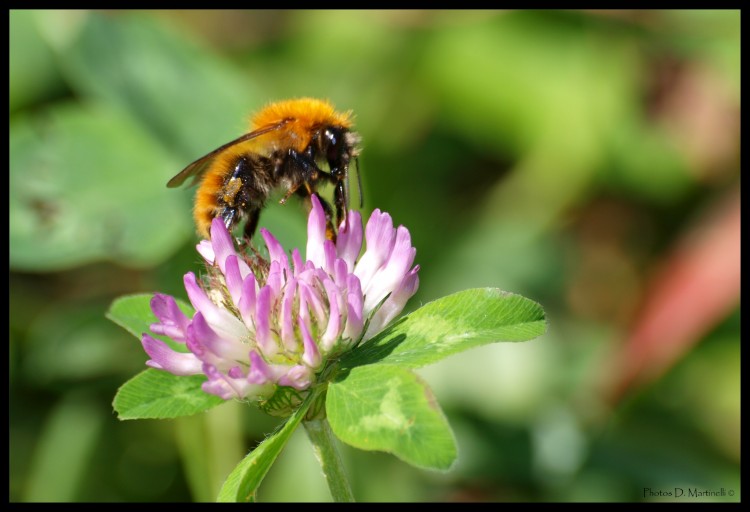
x: 588, y: 160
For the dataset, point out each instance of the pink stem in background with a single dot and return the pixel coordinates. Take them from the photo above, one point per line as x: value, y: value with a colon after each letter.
x: 695, y: 289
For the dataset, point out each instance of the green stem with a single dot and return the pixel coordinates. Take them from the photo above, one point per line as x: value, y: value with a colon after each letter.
x: 324, y: 445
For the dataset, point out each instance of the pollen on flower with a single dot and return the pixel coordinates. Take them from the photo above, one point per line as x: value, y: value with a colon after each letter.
x: 263, y: 330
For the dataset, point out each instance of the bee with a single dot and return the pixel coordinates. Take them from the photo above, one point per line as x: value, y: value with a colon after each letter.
x: 293, y: 145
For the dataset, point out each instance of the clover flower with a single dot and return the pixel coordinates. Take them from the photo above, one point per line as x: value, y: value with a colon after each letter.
x: 263, y: 330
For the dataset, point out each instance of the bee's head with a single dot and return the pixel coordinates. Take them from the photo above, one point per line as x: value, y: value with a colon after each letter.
x: 338, y: 145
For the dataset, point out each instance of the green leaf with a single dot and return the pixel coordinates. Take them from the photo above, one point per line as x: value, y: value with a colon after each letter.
x: 156, y: 394
x: 242, y: 483
x: 187, y: 96
x: 452, y: 324
x: 73, y: 342
x: 133, y: 312
x: 388, y: 408
x: 88, y: 184
x: 32, y: 70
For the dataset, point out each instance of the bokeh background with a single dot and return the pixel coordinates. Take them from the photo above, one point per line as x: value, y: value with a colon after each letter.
x: 588, y: 160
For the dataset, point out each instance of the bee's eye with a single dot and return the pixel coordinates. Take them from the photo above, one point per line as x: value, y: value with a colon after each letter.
x: 331, y: 137
x: 333, y: 153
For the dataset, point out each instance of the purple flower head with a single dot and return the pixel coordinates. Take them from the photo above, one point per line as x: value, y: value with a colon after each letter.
x: 265, y: 327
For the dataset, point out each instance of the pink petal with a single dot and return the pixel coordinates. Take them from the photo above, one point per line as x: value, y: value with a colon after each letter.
x: 354, y: 310
x: 221, y: 320
x: 316, y: 233
x: 222, y: 242
x: 220, y: 348
x: 263, y: 323
x: 206, y: 250
x: 313, y: 300
x: 287, y: 325
x: 233, y: 278
x: 380, y: 237
x: 329, y: 337
x: 246, y: 304
x: 275, y: 250
x: 259, y: 372
x: 349, y: 240
x: 275, y: 279
x: 298, y: 377
x: 329, y: 253
x: 173, y: 322
x: 222, y: 385
x: 297, y: 261
x: 392, y: 272
x: 394, y: 304
x: 164, y: 358
x: 311, y: 356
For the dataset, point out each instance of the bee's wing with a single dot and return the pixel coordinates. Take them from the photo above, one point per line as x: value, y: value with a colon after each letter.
x: 197, y: 168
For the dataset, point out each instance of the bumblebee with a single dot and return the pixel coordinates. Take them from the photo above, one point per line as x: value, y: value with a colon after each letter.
x: 294, y: 145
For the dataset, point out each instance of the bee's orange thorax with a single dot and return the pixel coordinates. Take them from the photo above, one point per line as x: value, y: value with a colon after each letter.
x: 304, y: 115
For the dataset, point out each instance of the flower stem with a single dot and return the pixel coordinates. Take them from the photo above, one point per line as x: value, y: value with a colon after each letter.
x: 324, y: 445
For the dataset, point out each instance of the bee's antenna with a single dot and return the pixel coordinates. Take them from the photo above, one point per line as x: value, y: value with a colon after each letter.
x: 359, y: 182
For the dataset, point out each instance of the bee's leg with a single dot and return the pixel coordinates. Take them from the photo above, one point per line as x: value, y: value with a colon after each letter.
x: 310, y: 171
x: 330, y: 228
x: 229, y: 215
x: 341, y: 200
x: 289, y: 193
x: 253, y: 216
